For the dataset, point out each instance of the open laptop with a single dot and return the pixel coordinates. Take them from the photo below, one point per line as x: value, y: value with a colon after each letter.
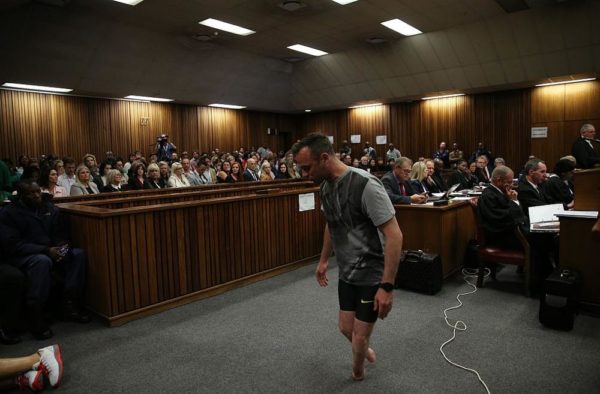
x: 444, y: 196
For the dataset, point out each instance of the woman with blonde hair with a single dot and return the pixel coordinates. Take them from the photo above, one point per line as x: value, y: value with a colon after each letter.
x: 418, y: 176
x: 83, y: 185
x: 177, y: 178
x: 155, y: 181
x: 265, y: 171
x: 113, y: 182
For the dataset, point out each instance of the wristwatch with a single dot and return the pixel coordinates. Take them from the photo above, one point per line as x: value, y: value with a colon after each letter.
x: 387, y: 286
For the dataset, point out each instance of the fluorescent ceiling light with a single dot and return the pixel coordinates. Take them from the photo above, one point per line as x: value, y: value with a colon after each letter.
x: 401, y: 27
x: 564, y: 82
x: 228, y: 27
x: 145, y: 98
x: 444, y: 96
x: 36, y: 87
x: 308, y: 50
x: 307, y: 110
x: 129, y: 2
x: 344, y: 2
x: 230, y: 106
x: 365, y: 105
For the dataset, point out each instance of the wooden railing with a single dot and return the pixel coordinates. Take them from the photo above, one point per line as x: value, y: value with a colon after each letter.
x: 144, y: 259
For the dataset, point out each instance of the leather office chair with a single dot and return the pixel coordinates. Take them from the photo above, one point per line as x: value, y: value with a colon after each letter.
x: 492, y: 255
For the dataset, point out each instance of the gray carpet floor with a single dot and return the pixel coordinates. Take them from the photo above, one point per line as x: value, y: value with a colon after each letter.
x: 280, y: 335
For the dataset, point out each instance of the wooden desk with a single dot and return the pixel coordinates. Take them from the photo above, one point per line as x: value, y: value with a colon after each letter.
x: 444, y: 230
x: 579, y: 249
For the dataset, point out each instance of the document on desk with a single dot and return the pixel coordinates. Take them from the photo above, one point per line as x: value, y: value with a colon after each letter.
x: 543, y: 218
x: 579, y: 214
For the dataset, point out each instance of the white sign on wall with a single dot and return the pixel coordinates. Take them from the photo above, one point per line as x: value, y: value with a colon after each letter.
x: 381, y: 139
x: 355, y: 138
x: 306, y: 202
x: 539, y: 132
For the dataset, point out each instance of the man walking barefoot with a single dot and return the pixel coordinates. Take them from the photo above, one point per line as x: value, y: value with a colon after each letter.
x: 362, y: 230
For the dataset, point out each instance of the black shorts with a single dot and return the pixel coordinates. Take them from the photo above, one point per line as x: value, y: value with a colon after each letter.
x: 358, y: 299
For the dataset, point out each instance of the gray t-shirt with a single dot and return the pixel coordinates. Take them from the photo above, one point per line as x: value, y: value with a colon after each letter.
x: 355, y: 204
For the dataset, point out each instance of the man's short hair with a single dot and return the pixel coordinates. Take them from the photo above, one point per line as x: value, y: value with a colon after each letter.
x: 587, y: 127
x: 533, y: 164
x: 400, y: 161
x: 317, y: 143
x: 563, y: 166
x: 499, y: 160
x: 68, y: 160
x: 501, y: 172
x: 24, y: 186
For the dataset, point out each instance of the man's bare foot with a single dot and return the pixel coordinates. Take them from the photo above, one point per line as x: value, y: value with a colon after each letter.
x: 358, y: 377
x: 371, y: 357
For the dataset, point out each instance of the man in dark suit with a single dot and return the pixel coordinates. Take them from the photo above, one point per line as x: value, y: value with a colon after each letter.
x: 531, y: 193
x: 483, y: 171
x: 397, y: 184
x: 250, y: 174
x: 585, y: 153
x: 499, y: 211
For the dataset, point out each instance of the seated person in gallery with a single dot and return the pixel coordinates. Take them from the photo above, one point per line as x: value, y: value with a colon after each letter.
x: 463, y: 176
x: 34, y: 239
x: 559, y: 186
x: 530, y: 189
x: 500, y: 213
x: 397, y: 183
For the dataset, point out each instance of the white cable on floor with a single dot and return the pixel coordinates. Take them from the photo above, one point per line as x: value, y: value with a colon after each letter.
x: 460, y: 325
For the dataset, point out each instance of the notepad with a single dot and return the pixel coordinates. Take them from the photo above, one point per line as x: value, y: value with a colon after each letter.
x: 543, y: 218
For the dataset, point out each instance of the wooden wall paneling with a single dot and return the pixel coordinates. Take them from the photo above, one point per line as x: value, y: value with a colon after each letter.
x: 548, y: 104
x: 8, y: 147
x: 399, y: 123
x: 203, y: 268
x: 169, y: 240
x: 142, y: 261
x: 32, y: 126
x: 369, y: 122
x: 126, y: 125
x: 182, y: 256
x: 118, y: 266
x: 98, y: 137
x: 258, y: 124
x: 213, y: 235
x: 113, y: 257
x: 223, y: 128
x: 190, y: 252
x: 161, y: 254
x: 582, y: 101
x: 511, y: 137
x: 430, y: 126
x: 151, y: 258
x: 127, y: 265
x: 134, y: 255
x: 484, y: 107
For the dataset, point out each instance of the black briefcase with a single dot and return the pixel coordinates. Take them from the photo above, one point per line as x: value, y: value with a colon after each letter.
x: 558, y: 302
x: 420, y: 271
